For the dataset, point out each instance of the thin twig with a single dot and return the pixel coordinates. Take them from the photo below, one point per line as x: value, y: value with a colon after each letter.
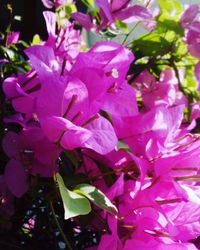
x: 135, y: 26
x: 59, y: 227
x: 131, y: 31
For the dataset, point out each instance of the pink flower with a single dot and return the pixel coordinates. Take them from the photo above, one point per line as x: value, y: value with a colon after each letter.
x: 111, y: 241
x: 97, y: 134
x: 85, y: 20
x: 197, y: 74
x: 164, y: 92
x: 193, y: 39
x: 50, y: 4
x: 189, y: 15
x: 12, y: 37
x: 153, y: 243
x: 22, y: 91
x: 30, y: 153
x: 66, y: 44
x: 109, y: 12
x: 122, y: 10
x: 195, y: 110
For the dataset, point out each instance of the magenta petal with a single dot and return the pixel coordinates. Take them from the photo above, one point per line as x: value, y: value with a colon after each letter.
x: 133, y: 14
x: 104, y: 5
x: 50, y: 97
x: 42, y: 169
x: 104, y: 138
x: 83, y: 19
x: 76, y: 88
x: 107, y: 56
x: 12, y: 144
x: 53, y: 127
x: 48, y: 4
x: 44, y: 150
x: 72, y: 136
x: 109, y: 242
x: 189, y: 15
x: 12, y: 38
x: 24, y: 104
x: 43, y: 60
x: 118, y: 4
x: 75, y: 137
x: 16, y: 178
x: 197, y: 74
x: 117, y: 188
x: 87, y: 76
x: 50, y: 19
x: 9, y: 87
x: 122, y: 102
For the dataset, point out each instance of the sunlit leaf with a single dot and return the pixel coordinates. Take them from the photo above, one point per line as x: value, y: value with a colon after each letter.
x: 74, y: 203
x: 97, y: 197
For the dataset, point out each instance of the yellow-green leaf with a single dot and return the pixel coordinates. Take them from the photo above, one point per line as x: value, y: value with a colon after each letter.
x: 74, y: 203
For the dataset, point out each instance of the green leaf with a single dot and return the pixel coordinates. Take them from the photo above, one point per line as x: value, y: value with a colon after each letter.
x: 152, y: 44
x: 10, y: 53
x: 180, y: 50
x: 36, y: 40
x: 70, y: 8
x: 167, y: 24
x: 97, y: 197
x: 170, y: 8
x: 91, y: 3
x: 74, y: 203
x: 169, y: 16
x: 17, y: 18
x: 189, y: 79
x: 121, y: 25
x: 123, y: 145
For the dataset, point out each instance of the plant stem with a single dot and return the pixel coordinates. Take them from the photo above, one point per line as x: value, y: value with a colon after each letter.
x: 131, y: 31
x: 182, y: 89
x: 59, y: 227
x: 135, y: 26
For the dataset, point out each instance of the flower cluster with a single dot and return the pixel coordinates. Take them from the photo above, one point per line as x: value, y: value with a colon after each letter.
x: 87, y: 103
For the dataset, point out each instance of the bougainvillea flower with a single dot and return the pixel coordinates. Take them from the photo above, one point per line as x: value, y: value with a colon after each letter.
x: 12, y: 37
x: 120, y: 101
x: 121, y: 10
x: 97, y: 135
x: 84, y: 19
x: 164, y: 92
x: 111, y: 241
x: 30, y: 153
x: 195, y: 110
x: 159, y: 124
x: 187, y: 227
x: 109, y: 12
x: 66, y: 44
x: 152, y: 243
x: 109, y: 56
x: 193, y: 37
x: 197, y: 74
x: 50, y: 4
x: 50, y: 20
x: 107, y: 63
x: 64, y: 100
x: 182, y: 158
x: 189, y: 15
x: 43, y: 60
x: 22, y: 91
